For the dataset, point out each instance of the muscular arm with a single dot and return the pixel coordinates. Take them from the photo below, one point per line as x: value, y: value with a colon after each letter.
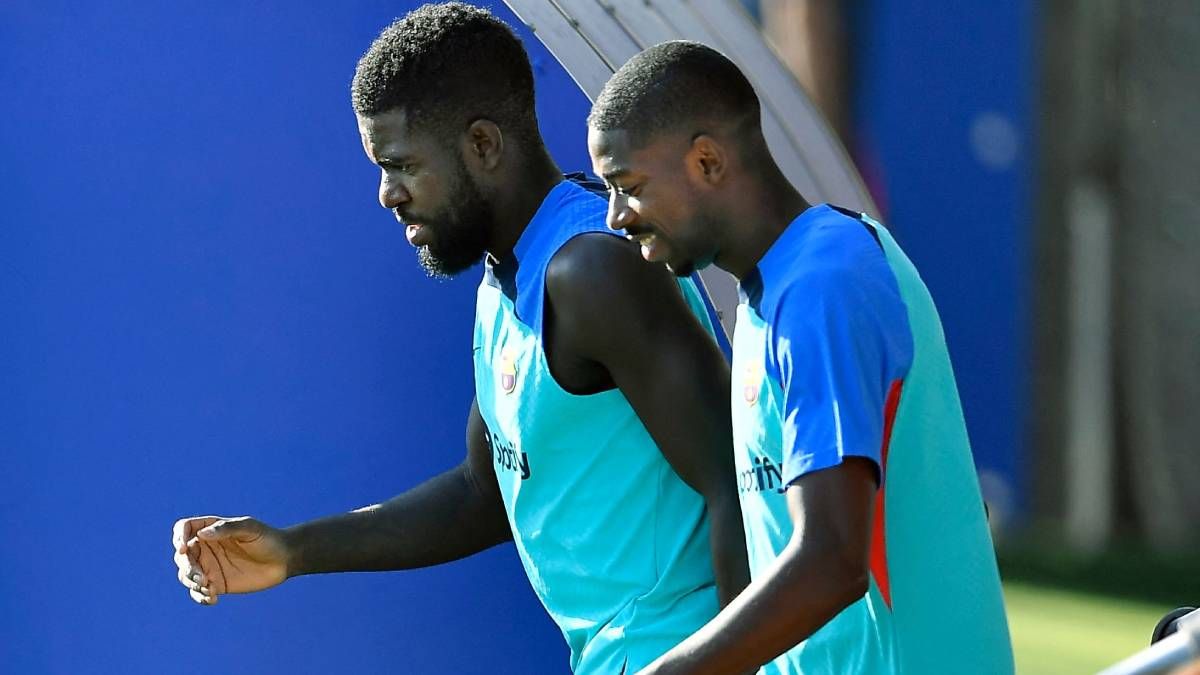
x: 448, y: 517
x: 821, y: 571
x: 611, y: 308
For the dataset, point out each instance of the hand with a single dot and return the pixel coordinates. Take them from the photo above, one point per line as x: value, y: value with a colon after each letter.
x: 217, y: 555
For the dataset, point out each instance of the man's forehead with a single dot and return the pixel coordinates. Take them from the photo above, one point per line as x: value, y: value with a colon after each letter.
x: 609, y: 143
x: 614, y: 153
x: 390, y: 125
x: 389, y: 133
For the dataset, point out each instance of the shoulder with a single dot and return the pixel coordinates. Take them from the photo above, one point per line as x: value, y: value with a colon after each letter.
x: 605, y: 296
x: 595, y: 265
x: 835, y: 257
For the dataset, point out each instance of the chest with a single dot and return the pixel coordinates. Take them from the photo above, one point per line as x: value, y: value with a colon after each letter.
x: 756, y: 403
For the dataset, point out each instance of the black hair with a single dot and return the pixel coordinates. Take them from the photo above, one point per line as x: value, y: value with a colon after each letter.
x: 671, y: 84
x: 446, y: 65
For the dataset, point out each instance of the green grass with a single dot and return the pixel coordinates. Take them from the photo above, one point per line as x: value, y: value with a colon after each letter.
x: 1072, y: 613
x: 1062, y: 632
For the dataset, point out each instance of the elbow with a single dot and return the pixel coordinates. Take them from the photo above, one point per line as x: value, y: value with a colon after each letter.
x: 845, y: 578
x: 852, y: 577
x: 853, y: 587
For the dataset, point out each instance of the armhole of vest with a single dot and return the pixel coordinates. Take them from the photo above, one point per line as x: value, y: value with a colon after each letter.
x: 538, y: 322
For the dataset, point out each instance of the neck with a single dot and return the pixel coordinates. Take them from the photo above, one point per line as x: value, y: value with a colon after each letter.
x: 518, y: 199
x: 765, y: 207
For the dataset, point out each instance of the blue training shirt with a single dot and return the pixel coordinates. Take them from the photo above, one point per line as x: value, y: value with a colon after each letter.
x: 839, y: 352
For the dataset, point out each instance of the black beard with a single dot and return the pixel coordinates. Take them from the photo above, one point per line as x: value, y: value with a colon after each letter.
x: 459, y: 232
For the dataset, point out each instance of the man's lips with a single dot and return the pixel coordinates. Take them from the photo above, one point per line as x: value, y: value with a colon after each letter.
x: 652, y: 249
x: 417, y: 234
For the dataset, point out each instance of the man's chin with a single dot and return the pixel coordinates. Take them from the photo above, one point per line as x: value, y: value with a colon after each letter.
x: 441, y: 267
x: 686, y: 268
x: 681, y: 269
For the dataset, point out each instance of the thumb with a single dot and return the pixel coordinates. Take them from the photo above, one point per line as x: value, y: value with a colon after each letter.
x: 230, y: 528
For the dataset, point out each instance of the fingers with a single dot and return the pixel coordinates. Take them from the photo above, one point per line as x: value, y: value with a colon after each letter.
x: 185, y: 529
x: 194, y: 581
x: 188, y: 566
x: 197, y: 544
x: 243, y: 528
x: 202, y: 599
x: 191, y: 575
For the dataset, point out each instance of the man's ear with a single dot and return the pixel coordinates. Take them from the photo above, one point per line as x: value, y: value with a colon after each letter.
x: 484, y: 144
x: 707, y: 160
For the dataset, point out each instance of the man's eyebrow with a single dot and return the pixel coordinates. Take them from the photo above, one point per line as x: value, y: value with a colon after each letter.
x: 393, y: 160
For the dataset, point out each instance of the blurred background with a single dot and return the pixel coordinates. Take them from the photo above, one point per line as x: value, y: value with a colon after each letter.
x: 1041, y: 164
x: 206, y: 311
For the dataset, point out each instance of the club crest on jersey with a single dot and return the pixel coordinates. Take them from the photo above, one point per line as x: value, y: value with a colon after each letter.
x: 752, y: 383
x: 508, y: 370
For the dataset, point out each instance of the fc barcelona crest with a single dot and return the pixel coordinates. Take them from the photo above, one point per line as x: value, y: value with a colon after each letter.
x: 508, y: 370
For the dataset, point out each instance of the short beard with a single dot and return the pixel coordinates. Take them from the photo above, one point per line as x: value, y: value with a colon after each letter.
x: 460, y: 232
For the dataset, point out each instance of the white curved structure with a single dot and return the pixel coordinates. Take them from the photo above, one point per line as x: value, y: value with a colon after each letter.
x: 592, y: 38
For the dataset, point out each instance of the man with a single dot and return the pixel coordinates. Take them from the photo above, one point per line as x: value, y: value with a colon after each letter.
x: 598, y: 442
x: 869, y: 549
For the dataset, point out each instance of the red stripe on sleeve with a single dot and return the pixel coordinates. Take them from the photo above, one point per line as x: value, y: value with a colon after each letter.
x: 879, y: 568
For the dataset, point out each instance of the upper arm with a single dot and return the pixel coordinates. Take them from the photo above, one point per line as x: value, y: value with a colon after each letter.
x: 480, y: 470
x: 840, y: 343
x: 831, y: 513
x: 613, y: 308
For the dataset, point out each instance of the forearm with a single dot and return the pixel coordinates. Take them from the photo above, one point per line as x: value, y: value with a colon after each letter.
x: 445, y: 518
x: 728, y: 544
x: 799, y: 594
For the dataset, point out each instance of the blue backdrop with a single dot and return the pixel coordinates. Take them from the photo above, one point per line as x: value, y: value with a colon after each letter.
x: 205, y: 310
x: 943, y: 115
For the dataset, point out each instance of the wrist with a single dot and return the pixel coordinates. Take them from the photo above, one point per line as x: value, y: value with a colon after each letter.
x: 293, y: 546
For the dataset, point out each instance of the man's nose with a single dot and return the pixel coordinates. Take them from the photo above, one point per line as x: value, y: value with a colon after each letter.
x: 392, y: 193
x: 619, y: 214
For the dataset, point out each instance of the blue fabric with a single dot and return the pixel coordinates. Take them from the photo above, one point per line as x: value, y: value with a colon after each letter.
x: 835, y: 332
x: 615, y: 544
x: 837, y: 336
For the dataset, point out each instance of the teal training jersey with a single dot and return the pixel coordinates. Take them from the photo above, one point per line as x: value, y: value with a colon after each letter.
x: 615, y: 544
x: 839, y: 352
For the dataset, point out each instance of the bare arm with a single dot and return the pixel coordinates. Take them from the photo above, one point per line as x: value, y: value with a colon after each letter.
x: 822, y: 570
x: 448, y: 517
x: 613, y: 308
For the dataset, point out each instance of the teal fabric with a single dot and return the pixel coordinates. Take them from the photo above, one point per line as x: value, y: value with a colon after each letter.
x: 615, y: 545
x: 859, y: 640
x: 934, y: 603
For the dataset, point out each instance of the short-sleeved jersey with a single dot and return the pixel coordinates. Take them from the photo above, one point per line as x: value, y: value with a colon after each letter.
x: 615, y: 544
x: 839, y: 352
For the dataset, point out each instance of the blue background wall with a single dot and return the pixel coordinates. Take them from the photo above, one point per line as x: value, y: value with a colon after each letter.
x: 204, y: 310
x: 943, y: 119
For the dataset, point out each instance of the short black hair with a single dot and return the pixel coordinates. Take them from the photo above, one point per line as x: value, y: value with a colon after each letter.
x: 446, y: 65
x: 671, y: 84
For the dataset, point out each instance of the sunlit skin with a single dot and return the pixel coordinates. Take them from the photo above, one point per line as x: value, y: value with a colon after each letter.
x: 712, y: 193
x: 692, y: 199
x: 666, y: 229
x: 457, y: 199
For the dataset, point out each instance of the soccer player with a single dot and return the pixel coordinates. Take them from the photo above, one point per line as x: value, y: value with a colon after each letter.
x: 599, y: 441
x: 869, y: 548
